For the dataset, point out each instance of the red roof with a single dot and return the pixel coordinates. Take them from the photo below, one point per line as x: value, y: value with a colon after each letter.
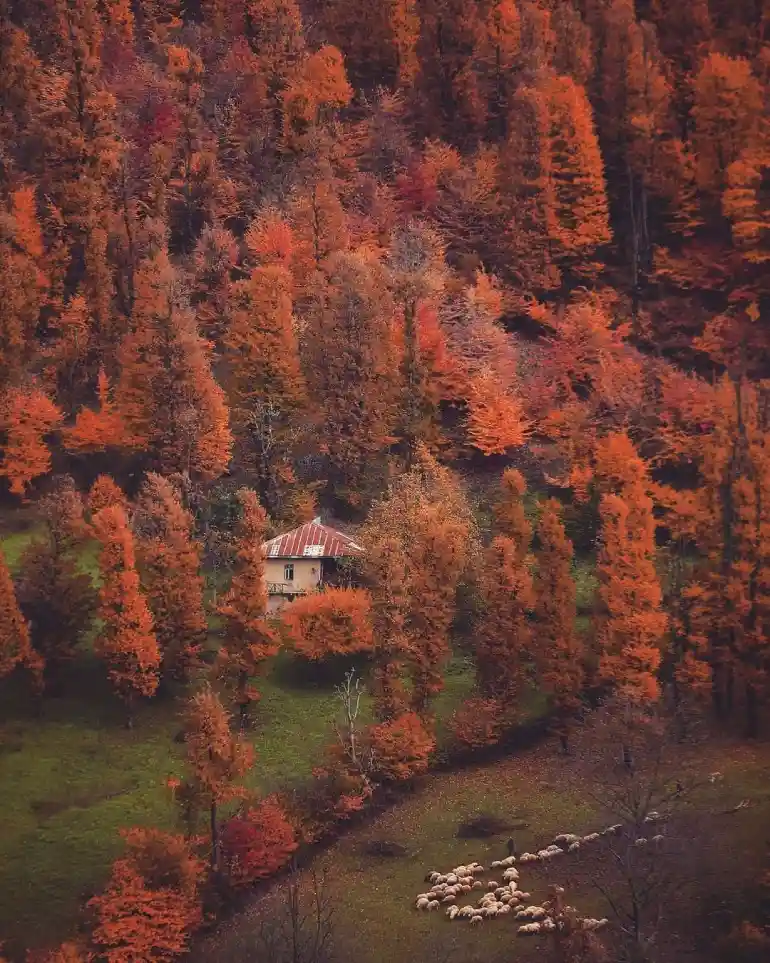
x: 311, y: 540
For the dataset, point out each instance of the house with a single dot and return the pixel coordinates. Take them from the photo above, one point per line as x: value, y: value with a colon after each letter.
x: 298, y: 561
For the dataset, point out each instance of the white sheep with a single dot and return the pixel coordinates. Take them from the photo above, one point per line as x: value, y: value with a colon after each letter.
x: 449, y: 899
x: 510, y: 874
x: 591, y: 837
x: 544, y: 853
x: 476, y: 919
x: 434, y: 877
x: 573, y: 847
x: 477, y: 884
x: 422, y: 903
x: 452, y: 912
x: 492, y: 884
x: 502, y: 910
x: 496, y: 864
x: 615, y: 830
x: 641, y: 841
x: 591, y: 924
x: 528, y: 858
x: 524, y: 895
x: 434, y: 905
x: 465, y: 888
x: 465, y: 911
x: 451, y: 879
x: 529, y: 928
x: 508, y: 861
x: 548, y: 925
x: 653, y: 816
x: 658, y: 838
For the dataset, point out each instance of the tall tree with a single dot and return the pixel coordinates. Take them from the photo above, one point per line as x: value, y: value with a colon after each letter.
x: 127, y: 641
x: 28, y: 415
x: 558, y: 649
x: 352, y: 371
x: 630, y: 624
x: 216, y: 759
x: 15, y: 648
x: 249, y: 639
x: 166, y: 394
x: 170, y: 561
x: 58, y: 598
x: 419, y: 539
x: 502, y: 633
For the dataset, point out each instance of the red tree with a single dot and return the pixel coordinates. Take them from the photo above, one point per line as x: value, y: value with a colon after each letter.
x: 258, y: 842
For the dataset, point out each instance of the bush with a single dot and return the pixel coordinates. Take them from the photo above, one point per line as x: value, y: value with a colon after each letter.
x: 258, y: 843
x: 337, y: 621
x: 400, y: 748
x: 477, y: 723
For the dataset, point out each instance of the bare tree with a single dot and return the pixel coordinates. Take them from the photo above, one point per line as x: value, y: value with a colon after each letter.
x: 647, y: 868
x: 301, y: 928
x: 358, y: 755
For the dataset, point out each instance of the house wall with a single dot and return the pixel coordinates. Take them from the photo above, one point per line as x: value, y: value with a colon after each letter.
x: 307, y: 577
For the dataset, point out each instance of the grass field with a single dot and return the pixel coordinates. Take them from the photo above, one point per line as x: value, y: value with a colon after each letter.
x: 537, y: 790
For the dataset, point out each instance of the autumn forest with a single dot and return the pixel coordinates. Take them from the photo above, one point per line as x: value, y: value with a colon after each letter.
x: 482, y: 284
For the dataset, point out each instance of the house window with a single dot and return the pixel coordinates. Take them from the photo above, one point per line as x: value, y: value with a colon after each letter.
x: 288, y: 573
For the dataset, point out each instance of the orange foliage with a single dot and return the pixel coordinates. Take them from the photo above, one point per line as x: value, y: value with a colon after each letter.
x: 170, y: 560
x: 337, y: 621
x: 127, y: 641
x: 401, y: 748
x: 557, y: 647
x: 320, y: 87
x: 258, y: 842
x: 478, y: 723
x: 96, y: 430
x: 495, y: 418
x: 105, y: 493
x: 249, y: 638
x: 15, y: 646
x: 28, y: 416
x: 151, y: 904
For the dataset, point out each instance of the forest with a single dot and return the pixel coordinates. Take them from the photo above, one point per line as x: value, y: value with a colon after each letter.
x: 480, y: 283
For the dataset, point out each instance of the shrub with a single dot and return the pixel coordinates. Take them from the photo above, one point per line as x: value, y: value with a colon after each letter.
x: 257, y: 843
x: 337, y: 621
x: 477, y: 723
x: 400, y: 748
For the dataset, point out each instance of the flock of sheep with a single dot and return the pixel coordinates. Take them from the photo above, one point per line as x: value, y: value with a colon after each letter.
x: 502, y: 899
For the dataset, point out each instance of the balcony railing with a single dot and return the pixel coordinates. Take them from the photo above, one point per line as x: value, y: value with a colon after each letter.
x: 284, y: 588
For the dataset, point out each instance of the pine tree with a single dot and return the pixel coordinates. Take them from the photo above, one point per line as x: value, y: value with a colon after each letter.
x: 28, y: 416
x: 249, y: 639
x: 15, y: 648
x: 558, y: 649
x: 170, y: 561
x: 418, y: 541
x: 127, y: 641
x: 216, y: 759
x: 58, y: 599
x: 502, y: 633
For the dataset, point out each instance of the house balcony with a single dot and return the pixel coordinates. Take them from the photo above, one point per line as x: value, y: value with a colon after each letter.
x: 284, y: 588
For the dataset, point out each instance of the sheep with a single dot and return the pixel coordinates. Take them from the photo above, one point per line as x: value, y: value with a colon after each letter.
x: 459, y: 870
x: 491, y: 912
x: 496, y: 863
x: 591, y: 924
x: 422, y: 903
x: 658, y: 838
x: 492, y: 884
x: 466, y: 911
x: 615, y: 830
x: 477, y: 868
x: 653, y: 816
x: 529, y: 928
x: 573, y: 847
x: 524, y: 895
x: 477, y: 884
x: 566, y: 838
x: 451, y: 879
x: 434, y: 877
x: 476, y: 919
x: 510, y: 874
x: 465, y: 888
x: 449, y: 899
x: 434, y: 905
x: 641, y: 841
x: 452, y: 912
x: 503, y: 910
x: 591, y: 837
x: 548, y: 925
x: 501, y: 890
x: 544, y: 853
x: 508, y: 861
x: 528, y: 858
